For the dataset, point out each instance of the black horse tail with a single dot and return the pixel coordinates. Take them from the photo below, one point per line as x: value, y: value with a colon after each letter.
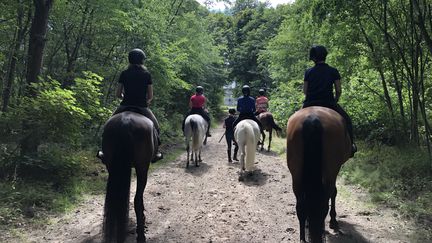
x: 312, y: 177
x: 116, y: 211
x: 275, y: 126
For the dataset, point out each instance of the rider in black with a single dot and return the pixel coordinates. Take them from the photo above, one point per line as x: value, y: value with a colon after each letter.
x: 229, y: 134
x: 318, y: 87
x: 135, y: 88
x: 246, y: 107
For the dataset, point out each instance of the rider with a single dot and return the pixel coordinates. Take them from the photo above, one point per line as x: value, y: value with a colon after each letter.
x: 229, y: 134
x: 318, y: 87
x: 197, y: 104
x: 135, y: 88
x: 261, y: 102
x: 246, y: 107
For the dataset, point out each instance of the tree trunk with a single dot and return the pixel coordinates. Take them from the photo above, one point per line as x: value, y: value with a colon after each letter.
x: 37, y: 39
x: 13, y: 58
x: 38, y: 29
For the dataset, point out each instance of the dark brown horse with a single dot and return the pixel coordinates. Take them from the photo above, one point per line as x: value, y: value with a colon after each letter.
x: 317, y: 146
x: 268, y: 123
x: 128, y: 140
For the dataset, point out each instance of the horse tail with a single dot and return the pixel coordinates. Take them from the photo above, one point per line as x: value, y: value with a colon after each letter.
x: 116, y: 211
x: 251, y: 142
x: 275, y: 126
x: 312, y: 176
x: 195, y: 134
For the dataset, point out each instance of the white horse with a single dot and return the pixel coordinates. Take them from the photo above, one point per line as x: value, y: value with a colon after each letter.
x: 195, y: 133
x: 247, y: 134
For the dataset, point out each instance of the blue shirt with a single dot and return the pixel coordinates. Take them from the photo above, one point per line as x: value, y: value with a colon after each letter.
x: 246, y: 104
x: 320, y: 80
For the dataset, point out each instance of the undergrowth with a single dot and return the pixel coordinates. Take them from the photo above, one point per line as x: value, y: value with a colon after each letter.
x: 399, y: 177
x: 31, y: 189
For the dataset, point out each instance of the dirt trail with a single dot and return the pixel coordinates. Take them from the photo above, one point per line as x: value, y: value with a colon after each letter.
x: 209, y: 204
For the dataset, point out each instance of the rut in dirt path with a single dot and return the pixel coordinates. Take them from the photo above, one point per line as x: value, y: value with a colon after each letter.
x: 209, y: 204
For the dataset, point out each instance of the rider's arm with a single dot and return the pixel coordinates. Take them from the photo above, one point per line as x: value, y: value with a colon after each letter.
x: 119, y: 91
x: 338, y: 89
x: 149, y: 93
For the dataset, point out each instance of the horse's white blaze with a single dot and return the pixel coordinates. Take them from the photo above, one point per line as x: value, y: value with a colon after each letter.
x: 195, y: 134
x: 247, y: 135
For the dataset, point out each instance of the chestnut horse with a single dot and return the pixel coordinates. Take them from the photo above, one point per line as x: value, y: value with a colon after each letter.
x: 317, y: 146
x: 268, y: 123
x: 128, y: 140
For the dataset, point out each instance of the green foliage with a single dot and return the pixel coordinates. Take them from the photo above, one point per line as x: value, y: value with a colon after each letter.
x: 398, y: 177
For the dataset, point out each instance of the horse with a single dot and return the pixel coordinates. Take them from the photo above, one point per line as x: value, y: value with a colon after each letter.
x: 195, y: 133
x: 247, y: 134
x: 129, y: 140
x: 268, y: 123
x: 317, y: 146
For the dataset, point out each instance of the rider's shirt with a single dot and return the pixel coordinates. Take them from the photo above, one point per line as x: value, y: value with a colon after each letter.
x: 198, y: 101
x: 135, y: 81
x: 246, y: 104
x: 261, y: 104
x: 320, y: 80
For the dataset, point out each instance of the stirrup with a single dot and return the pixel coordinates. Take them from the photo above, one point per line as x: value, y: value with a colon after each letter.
x: 99, y: 154
x: 157, y: 157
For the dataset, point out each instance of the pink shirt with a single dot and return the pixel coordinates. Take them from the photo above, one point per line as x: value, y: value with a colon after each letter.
x: 197, y: 101
x: 261, y: 104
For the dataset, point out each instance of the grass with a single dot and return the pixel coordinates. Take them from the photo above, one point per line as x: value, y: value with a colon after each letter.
x: 398, y: 177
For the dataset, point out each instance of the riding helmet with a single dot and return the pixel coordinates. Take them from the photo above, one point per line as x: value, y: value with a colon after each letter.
x: 317, y: 53
x: 199, y: 89
x: 136, y: 56
x: 261, y: 91
x: 246, y: 90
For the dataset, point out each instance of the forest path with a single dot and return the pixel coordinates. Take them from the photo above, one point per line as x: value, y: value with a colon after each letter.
x: 209, y: 204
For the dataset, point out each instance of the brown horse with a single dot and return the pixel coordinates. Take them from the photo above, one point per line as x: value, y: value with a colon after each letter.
x: 128, y: 140
x: 317, y: 146
x: 268, y: 123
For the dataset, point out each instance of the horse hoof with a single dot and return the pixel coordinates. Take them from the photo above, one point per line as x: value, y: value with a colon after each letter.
x: 241, y: 178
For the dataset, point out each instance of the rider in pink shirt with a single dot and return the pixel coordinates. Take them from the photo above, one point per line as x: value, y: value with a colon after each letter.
x: 261, y: 102
x: 197, y: 104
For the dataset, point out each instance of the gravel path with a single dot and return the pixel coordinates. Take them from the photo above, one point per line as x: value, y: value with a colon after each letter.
x: 209, y: 204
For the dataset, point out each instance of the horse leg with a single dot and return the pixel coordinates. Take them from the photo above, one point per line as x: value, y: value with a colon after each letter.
x: 333, y: 223
x: 200, y: 160
x: 141, y: 173
x: 187, y: 160
x: 262, y: 144
x: 301, y: 215
x: 270, y: 138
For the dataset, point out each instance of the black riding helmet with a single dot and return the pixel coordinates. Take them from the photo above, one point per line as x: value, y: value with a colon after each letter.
x: 199, y: 89
x: 317, y: 53
x: 136, y: 56
x: 261, y: 91
x: 246, y: 90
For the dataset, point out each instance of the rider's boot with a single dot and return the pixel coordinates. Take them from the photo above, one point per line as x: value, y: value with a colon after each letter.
x: 229, y: 155
x: 353, y: 149
x: 158, y: 156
